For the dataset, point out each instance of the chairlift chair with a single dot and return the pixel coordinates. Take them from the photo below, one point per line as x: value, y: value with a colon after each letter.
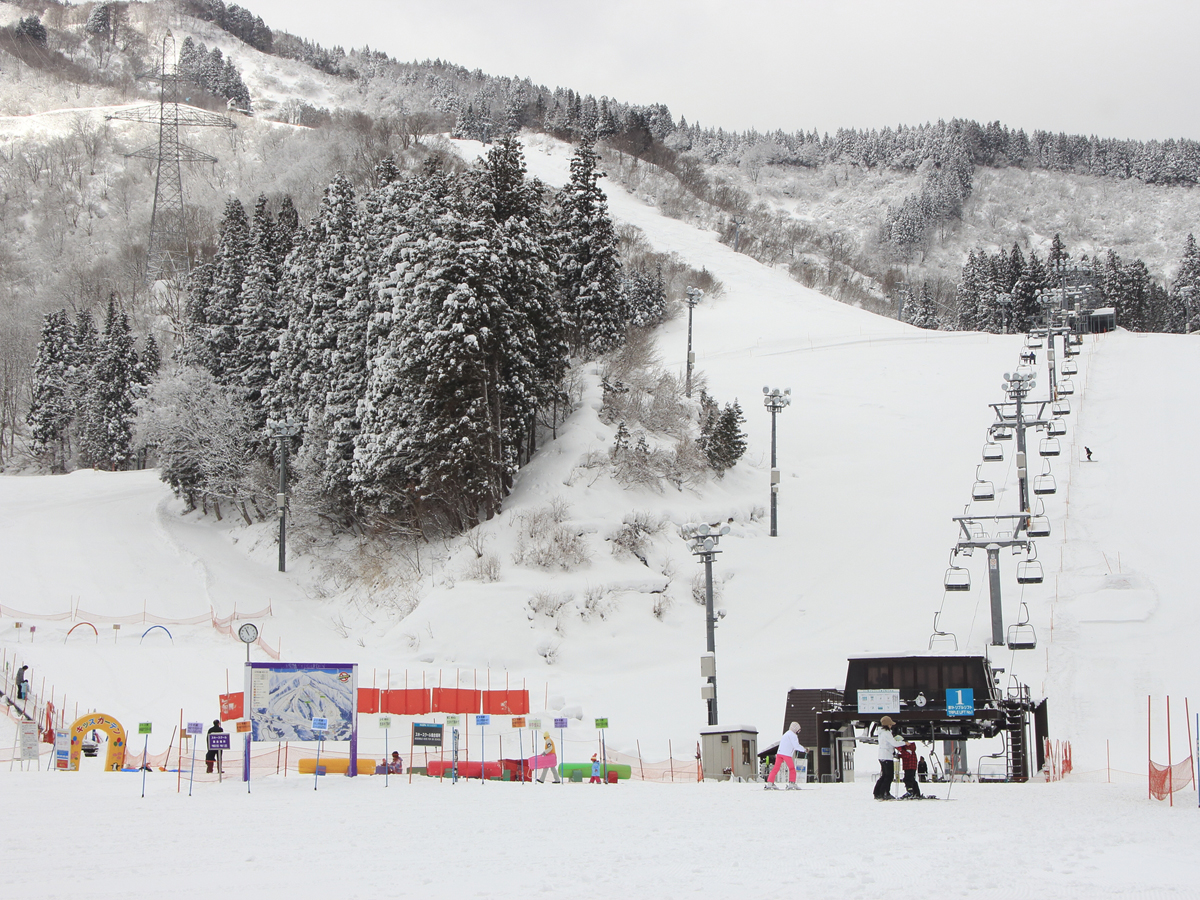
x: 1021, y: 635
x: 1050, y: 447
x: 1039, y: 526
x: 1060, y: 408
x: 1002, y: 432
x: 1044, y: 484
x: 1056, y: 427
x: 1066, y: 386
x: 982, y: 490
x: 957, y: 578
x: 1069, y: 368
x: 993, y: 452
x: 939, y: 636
x: 1029, y: 571
x: 1034, y: 342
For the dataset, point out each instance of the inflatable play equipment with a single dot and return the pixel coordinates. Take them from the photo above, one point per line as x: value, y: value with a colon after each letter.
x: 79, y: 731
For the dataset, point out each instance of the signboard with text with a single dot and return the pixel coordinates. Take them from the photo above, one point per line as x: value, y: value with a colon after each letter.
x: 960, y: 701
x: 427, y: 734
x: 873, y: 703
x: 218, y: 740
x: 560, y: 723
x: 284, y: 700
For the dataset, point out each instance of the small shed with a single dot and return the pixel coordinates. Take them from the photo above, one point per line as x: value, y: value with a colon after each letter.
x: 729, y: 751
x: 1102, y: 320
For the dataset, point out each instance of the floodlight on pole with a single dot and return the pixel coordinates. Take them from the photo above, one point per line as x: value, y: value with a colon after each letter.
x: 775, y: 401
x: 283, y: 432
x: 702, y: 541
x: 693, y: 296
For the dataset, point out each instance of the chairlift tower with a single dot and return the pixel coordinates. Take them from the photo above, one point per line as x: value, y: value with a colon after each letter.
x: 702, y: 541
x: 167, y: 256
x: 775, y: 401
x: 693, y: 296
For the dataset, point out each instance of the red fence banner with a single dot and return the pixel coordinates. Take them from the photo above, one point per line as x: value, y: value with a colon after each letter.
x: 506, y: 703
x: 455, y: 700
x: 368, y: 700
x: 231, y: 706
x: 411, y: 702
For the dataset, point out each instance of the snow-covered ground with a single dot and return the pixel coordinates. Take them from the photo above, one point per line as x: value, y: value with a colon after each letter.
x: 878, y: 451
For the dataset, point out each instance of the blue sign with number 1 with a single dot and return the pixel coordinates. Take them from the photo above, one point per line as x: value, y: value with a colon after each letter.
x: 960, y: 702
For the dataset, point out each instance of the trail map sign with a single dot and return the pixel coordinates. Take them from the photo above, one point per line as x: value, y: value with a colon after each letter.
x: 427, y: 734
x: 960, y: 702
x: 878, y: 702
x: 284, y: 700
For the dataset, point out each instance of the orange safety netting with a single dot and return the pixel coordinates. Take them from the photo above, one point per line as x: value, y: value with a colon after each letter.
x: 1165, y: 780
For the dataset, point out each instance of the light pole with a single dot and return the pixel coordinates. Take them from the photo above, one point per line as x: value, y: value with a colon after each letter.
x: 283, y: 432
x: 694, y: 296
x: 775, y: 401
x: 702, y: 541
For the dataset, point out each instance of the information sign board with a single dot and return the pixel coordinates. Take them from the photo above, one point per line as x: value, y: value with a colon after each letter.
x: 62, y: 750
x: 385, y: 722
x: 243, y: 727
x: 535, y: 724
x: 218, y: 740
x: 960, y: 701
x: 29, y: 740
x: 144, y: 727
x: 878, y: 702
x: 452, y: 721
x: 283, y: 700
x: 195, y: 728
x: 320, y: 724
x: 602, y: 723
x: 560, y: 723
x: 483, y: 719
x: 518, y: 722
x: 427, y: 734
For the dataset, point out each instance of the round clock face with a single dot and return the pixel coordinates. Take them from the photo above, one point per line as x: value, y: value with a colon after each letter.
x: 920, y: 700
x: 248, y: 633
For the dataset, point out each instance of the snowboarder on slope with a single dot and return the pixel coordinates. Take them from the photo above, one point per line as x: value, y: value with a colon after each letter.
x: 547, y: 761
x: 789, y: 745
x: 1088, y: 451
x: 888, y: 745
x: 908, y: 762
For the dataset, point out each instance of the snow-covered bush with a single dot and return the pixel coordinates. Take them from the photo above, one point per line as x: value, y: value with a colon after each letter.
x: 546, y: 542
x: 635, y: 534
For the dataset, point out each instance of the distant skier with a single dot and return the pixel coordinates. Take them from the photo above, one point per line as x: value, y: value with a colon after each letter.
x: 908, y: 762
x: 922, y: 770
x: 888, y: 744
x: 789, y: 745
x: 1088, y: 451
x: 595, y: 779
x: 546, y: 761
x: 22, y: 684
x: 213, y: 757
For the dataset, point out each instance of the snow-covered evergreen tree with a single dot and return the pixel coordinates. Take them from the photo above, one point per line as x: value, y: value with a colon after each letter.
x: 52, y: 407
x: 107, y: 412
x: 589, y: 269
x: 257, y: 321
x: 1183, y: 307
x: 721, y: 436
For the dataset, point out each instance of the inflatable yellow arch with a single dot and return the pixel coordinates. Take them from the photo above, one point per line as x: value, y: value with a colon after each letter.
x: 115, y: 757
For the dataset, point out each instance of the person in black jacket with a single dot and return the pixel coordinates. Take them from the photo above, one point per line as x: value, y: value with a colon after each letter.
x: 214, y: 756
x: 22, y: 684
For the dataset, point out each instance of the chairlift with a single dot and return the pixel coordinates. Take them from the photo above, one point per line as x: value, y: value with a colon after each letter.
x: 1060, y: 408
x: 982, y: 490
x: 1039, y: 526
x: 1066, y: 386
x: 1021, y: 635
x: 1050, y: 447
x: 957, y: 578
x: 1056, y: 427
x: 1028, y: 356
x: 1029, y: 571
x: 1069, y: 368
x: 1044, y: 484
x: 993, y: 452
x: 939, y: 636
x: 1034, y: 342
x: 1002, y: 433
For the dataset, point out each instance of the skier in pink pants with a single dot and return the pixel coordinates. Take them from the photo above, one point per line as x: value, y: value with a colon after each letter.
x: 789, y: 744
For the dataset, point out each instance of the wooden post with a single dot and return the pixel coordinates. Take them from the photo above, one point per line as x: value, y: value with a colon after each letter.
x: 641, y: 768
x: 1149, y: 771
x: 1170, y: 771
x: 671, y: 758
x: 179, y: 757
x: 1187, y: 714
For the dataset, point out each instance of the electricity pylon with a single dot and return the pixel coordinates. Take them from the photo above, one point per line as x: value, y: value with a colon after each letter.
x: 167, y: 257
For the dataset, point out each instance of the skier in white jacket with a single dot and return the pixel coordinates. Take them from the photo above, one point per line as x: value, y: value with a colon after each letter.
x: 888, y: 744
x: 789, y: 744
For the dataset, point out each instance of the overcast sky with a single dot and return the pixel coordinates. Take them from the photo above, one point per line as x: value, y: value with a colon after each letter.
x: 1111, y: 67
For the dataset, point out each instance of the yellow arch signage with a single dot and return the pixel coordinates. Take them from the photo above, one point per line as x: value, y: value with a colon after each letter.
x: 115, y: 757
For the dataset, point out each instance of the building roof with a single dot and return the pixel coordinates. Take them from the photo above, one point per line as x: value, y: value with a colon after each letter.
x: 728, y: 729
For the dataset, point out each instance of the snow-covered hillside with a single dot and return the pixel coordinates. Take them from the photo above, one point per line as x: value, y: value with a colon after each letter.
x: 877, y: 451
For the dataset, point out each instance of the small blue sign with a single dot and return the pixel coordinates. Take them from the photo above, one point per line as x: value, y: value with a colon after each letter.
x: 320, y: 724
x: 483, y: 720
x: 560, y: 723
x: 218, y: 741
x: 960, y: 702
